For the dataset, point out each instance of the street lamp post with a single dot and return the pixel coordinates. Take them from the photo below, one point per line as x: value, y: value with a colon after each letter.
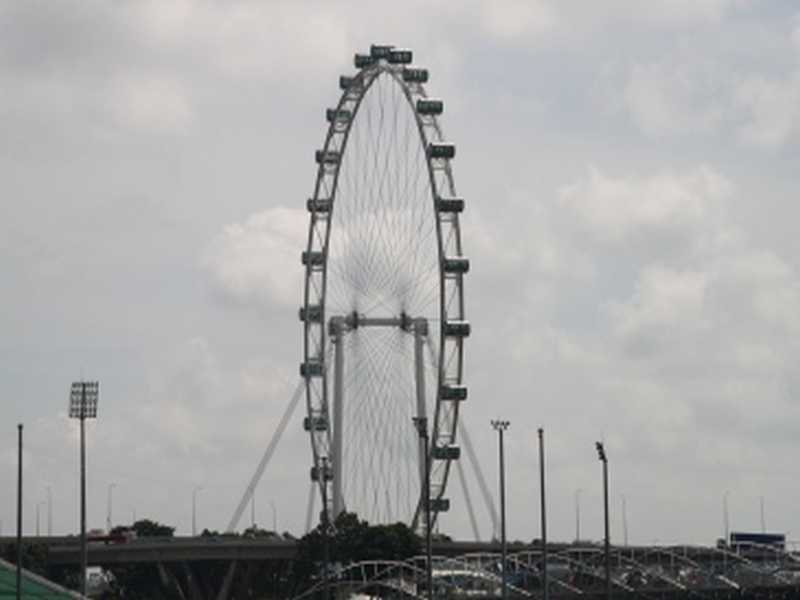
x: 49, y: 511
x: 274, y: 516
x: 578, y: 515
x: 546, y: 594
x: 196, y: 489
x: 726, y: 517
x: 83, y: 405
x: 500, y: 427
x: 601, y: 455
x: 422, y: 429
x: 326, y: 529
x: 19, y: 512
x: 110, y: 506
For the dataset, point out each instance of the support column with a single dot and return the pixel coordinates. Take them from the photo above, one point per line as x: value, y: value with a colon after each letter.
x: 337, y: 331
x: 420, y: 333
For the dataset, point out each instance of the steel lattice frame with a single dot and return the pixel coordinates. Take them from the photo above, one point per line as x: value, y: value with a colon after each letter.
x: 445, y: 209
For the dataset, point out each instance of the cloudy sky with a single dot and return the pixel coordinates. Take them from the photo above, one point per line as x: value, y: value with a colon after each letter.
x: 630, y: 170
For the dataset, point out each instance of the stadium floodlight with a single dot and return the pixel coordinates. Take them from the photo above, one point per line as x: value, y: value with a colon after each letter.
x: 83, y: 399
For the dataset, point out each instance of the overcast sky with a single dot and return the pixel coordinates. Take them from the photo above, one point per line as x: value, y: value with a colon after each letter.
x: 630, y: 170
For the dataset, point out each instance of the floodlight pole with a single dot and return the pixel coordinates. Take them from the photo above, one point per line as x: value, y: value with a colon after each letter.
x: 84, y: 545
x: 83, y: 408
x: 500, y: 427
x: 19, y: 512
x: 601, y: 455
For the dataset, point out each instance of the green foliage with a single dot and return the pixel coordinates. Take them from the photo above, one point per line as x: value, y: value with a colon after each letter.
x: 148, y: 528
x: 353, y: 540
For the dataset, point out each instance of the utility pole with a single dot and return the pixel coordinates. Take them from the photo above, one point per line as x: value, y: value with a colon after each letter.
x: 422, y: 429
x: 500, y: 427
x: 601, y: 455
x: 19, y: 512
x: 545, y: 591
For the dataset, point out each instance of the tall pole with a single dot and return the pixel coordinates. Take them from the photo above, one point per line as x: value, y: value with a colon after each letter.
x: 725, y: 517
x: 421, y: 423
x: 763, y: 520
x: 578, y: 515
x: 546, y: 594
x: 49, y: 511
x: 253, y: 511
x: 601, y: 454
x: 196, y: 489
x: 274, y: 516
x: 624, y: 520
x: 501, y: 427
x: 84, y: 545
x: 110, y: 506
x: 19, y: 512
x: 325, y: 529
x: 38, y: 530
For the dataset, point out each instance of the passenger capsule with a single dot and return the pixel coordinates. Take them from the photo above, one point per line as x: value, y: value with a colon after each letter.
x: 378, y: 51
x: 313, y: 258
x: 340, y: 115
x: 311, y: 369
x: 315, y: 424
x: 415, y: 75
x: 329, y: 157
x: 398, y: 56
x: 311, y: 313
x: 453, y: 392
x: 439, y: 504
x: 316, y: 471
x: 347, y: 81
x: 457, y: 329
x: 428, y: 106
x: 456, y: 264
x: 451, y: 452
x: 320, y: 205
x: 441, y: 150
x: 449, y: 205
x: 363, y: 60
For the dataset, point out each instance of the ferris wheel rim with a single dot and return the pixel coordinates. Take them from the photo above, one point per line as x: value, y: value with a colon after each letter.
x: 353, y: 95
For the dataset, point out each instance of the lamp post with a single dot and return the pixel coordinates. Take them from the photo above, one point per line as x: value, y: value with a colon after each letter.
x: 274, y: 516
x: 624, y: 520
x: 196, y: 489
x: 500, y: 427
x: 19, y: 511
x: 83, y: 405
x: 546, y: 594
x: 578, y: 515
x: 109, y: 506
x: 421, y: 424
x: 725, y: 516
x: 326, y: 528
x: 601, y: 455
x: 38, y: 510
x: 49, y: 511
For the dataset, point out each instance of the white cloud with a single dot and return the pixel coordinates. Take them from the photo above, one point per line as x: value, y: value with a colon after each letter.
x: 619, y: 210
x: 153, y: 104
x: 257, y: 263
x: 676, y: 97
x: 772, y: 108
x: 514, y: 18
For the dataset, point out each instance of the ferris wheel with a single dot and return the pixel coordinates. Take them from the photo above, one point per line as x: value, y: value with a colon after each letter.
x: 383, y: 305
